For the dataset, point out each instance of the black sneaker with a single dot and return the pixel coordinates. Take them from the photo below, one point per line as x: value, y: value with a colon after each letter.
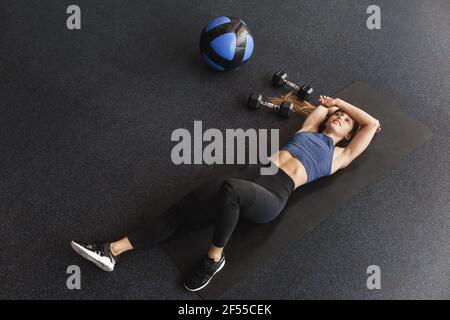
x: 98, y: 253
x: 204, y: 273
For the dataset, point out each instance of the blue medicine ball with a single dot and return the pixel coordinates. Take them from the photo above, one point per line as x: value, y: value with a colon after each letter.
x: 226, y: 43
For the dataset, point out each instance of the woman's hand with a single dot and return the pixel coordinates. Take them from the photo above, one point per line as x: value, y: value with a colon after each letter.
x: 327, y: 101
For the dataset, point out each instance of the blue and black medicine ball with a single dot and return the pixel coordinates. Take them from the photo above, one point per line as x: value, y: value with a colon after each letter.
x: 226, y: 43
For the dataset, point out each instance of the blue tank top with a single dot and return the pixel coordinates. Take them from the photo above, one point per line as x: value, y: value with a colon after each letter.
x: 314, y: 150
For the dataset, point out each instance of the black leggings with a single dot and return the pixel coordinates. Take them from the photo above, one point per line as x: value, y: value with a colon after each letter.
x: 227, y: 200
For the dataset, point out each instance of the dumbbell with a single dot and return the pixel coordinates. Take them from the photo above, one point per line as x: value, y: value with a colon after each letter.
x: 280, y: 79
x: 255, y: 101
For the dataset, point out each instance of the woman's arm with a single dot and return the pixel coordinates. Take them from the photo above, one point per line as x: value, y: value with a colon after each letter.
x: 358, y: 115
x: 360, y: 142
x: 332, y: 110
x: 316, y: 117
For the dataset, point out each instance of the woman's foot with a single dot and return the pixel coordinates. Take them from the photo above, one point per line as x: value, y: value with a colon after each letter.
x: 98, y: 253
x: 204, y: 272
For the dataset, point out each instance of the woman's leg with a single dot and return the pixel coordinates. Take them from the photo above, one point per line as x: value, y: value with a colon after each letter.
x: 237, y: 199
x: 105, y: 255
x: 242, y: 199
x: 119, y: 247
x: 189, y: 209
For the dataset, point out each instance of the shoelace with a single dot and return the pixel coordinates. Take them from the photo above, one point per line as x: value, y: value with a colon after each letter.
x: 102, y: 249
x: 205, y: 269
x: 99, y: 249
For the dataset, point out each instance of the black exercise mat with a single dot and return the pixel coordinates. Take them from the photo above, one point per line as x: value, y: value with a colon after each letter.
x: 251, y: 245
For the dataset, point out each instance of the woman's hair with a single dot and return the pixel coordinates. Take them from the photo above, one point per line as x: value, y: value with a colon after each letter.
x: 305, y: 109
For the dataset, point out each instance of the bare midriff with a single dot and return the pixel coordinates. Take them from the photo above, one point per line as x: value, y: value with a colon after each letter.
x: 291, y: 166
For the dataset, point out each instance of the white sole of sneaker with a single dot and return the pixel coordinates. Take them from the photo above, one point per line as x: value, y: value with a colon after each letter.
x: 200, y: 288
x: 91, y: 256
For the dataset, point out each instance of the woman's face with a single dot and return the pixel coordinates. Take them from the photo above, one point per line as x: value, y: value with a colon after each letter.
x: 341, y: 124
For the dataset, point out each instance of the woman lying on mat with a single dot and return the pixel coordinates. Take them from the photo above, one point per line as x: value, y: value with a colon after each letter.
x: 311, y: 153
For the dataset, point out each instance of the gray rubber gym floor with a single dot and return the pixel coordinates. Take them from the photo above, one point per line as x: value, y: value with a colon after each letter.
x: 85, y: 125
